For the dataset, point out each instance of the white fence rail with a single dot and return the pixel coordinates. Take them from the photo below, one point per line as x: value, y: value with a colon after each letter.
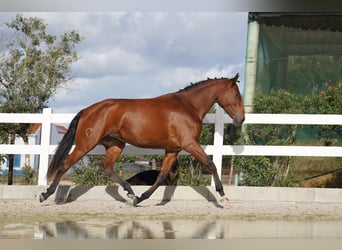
x: 47, y: 118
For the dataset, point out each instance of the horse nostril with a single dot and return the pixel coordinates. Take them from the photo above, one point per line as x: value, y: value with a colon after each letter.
x: 238, y: 120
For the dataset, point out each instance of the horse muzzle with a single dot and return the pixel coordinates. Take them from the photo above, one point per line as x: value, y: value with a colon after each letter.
x: 238, y: 120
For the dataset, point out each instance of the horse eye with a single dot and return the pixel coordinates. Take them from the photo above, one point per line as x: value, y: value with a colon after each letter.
x: 236, y: 94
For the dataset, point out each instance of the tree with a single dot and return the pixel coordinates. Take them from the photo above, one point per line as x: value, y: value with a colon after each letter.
x: 33, y: 66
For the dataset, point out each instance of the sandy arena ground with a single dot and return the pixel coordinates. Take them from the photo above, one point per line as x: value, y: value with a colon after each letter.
x: 174, y: 209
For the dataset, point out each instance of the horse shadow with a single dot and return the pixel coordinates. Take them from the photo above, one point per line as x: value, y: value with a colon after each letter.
x: 68, y: 194
x: 202, y: 190
x: 65, y: 194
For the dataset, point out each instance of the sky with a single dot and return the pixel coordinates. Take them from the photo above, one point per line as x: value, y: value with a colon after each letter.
x: 145, y: 54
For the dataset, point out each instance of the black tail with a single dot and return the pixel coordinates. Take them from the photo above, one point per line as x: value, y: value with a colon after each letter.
x: 64, y: 147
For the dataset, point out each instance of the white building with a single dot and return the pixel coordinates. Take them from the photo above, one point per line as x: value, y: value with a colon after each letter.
x: 34, y: 134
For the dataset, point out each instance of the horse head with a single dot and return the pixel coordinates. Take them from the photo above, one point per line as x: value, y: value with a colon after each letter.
x: 231, y: 101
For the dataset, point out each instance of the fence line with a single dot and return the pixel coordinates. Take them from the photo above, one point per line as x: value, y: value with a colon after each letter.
x: 47, y: 118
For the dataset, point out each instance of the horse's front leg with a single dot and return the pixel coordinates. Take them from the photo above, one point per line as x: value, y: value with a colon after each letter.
x: 196, y: 150
x: 169, y: 159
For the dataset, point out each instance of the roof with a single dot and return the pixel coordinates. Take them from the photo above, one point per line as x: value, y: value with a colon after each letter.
x: 61, y: 129
x: 306, y: 21
x: 302, y: 33
x: 34, y: 128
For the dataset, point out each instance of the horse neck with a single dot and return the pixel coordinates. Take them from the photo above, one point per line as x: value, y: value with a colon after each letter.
x: 200, y: 99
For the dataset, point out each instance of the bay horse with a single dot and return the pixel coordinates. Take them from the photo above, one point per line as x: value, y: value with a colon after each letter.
x: 172, y: 122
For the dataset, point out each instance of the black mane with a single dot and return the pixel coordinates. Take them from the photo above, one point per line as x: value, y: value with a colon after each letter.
x: 198, y: 84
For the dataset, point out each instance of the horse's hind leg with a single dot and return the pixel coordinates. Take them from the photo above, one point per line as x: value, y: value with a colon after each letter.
x: 172, y: 177
x: 169, y: 159
x: 112, y: 153
x: 69, y: 161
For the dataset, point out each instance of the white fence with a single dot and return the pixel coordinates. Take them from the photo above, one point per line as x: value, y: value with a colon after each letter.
x: 217, y: 149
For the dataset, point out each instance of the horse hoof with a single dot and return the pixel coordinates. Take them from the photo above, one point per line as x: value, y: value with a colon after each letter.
x: 221, y: 192
x: 42, y: 197
x: 131, y: 196
x: 224, y: 201
x: 135, y: 201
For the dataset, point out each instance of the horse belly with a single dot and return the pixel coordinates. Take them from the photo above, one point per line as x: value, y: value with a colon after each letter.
x: 148, y: 137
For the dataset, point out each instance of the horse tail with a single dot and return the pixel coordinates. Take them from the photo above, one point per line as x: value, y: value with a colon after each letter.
x: 64, y: 147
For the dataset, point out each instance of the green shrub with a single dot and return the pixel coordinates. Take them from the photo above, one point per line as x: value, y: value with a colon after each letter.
x: 30, y: 176
x: 192, y: 176
x: 276, y: 171
x: 90, y: 173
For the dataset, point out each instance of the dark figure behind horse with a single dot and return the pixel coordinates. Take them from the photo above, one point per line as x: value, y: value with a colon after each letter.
x: 149, y: 177
x: 172, y: 122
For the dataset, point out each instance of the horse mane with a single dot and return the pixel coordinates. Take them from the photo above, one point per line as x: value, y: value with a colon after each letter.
x: 200, y: 83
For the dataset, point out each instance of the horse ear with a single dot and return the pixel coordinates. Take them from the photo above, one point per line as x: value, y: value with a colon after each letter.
x: 236, y: 78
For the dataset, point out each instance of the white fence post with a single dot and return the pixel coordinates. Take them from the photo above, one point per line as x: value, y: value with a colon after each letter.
x: 218, y: 141
x: 44, y: 146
